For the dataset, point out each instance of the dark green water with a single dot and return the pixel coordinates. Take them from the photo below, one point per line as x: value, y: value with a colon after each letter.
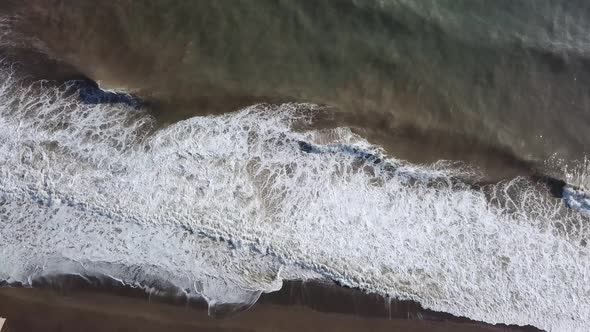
x: 502, y: 84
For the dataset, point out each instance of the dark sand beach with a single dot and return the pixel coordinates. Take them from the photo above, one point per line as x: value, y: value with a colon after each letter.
x: 298, y: 306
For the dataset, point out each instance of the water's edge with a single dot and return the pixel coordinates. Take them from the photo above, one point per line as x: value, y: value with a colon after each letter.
x: 318, y: 295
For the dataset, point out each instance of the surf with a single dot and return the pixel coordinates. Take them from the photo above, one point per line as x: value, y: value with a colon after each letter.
x: 226, y: 207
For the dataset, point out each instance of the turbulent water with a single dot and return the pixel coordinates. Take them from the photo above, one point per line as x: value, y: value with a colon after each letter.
x: 227, y: 205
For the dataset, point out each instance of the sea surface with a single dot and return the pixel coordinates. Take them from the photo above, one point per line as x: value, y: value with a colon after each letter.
x: 433, y: 151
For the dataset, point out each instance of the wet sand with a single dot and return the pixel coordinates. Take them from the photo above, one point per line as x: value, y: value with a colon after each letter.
x: 311, y: 306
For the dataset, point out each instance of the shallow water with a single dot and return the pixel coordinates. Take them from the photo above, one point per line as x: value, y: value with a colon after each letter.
x: 447, y: 79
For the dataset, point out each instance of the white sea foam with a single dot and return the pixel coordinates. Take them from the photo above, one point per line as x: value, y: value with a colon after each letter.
x: 227, y: 206
x: 577, y: 199
x: 578, y: 174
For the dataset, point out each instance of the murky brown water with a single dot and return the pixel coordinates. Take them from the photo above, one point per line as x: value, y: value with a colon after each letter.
x: 449, y: 80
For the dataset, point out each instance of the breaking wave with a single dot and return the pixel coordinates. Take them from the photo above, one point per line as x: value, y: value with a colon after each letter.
x: 226, y: 207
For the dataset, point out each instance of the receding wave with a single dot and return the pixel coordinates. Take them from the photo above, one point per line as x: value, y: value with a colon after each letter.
x: 228, y: 206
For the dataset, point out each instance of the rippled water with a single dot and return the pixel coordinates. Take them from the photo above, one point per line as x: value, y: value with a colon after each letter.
x: 453, y: 78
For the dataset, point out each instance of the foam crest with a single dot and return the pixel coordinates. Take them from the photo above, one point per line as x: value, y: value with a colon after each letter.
x: 578, y: 174
x: 227, y: 206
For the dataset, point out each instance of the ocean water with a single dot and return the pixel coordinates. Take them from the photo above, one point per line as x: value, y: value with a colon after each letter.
x: 225, y: 201
x: 219, y: 203
x: 428, y: 80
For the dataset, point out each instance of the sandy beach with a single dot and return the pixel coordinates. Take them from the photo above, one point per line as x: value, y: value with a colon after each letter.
x: 310, y: 306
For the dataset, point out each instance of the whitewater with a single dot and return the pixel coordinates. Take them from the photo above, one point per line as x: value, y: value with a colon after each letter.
x: 226, y: 207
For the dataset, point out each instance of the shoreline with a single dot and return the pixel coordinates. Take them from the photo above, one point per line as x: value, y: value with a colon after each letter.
x: 57, y: 304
